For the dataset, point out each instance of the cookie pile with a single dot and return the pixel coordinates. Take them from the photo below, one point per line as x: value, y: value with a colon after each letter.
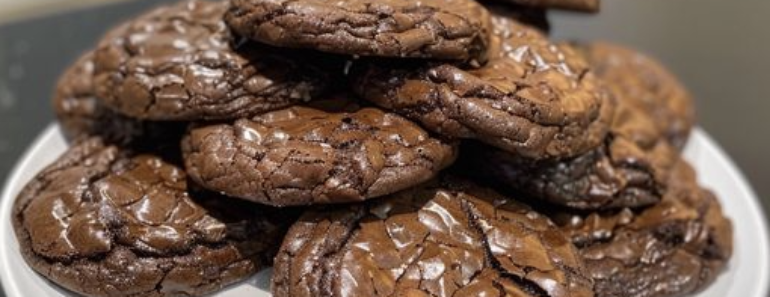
x: 370, y: 148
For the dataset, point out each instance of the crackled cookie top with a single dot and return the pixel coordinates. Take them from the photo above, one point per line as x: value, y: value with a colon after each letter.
x: 440, y: 29
x: 436, y: 240
x: 101, y: 223
x: 630, y: 169
x: 645, y: 83
x: 181, y: 62
x: 82, y: 115
x: 674, y: 248
x: 301, y: 156
x: 534, y: 98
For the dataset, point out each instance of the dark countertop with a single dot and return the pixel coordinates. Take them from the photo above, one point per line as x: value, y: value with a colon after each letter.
x: 725, y: 64
x: 33, y: 53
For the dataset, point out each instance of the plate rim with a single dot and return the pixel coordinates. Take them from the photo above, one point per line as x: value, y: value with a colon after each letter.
x: 754, y: 207
x: 6, y: 201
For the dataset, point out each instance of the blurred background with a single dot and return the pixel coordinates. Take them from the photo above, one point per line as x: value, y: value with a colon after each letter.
x: 720, y: 49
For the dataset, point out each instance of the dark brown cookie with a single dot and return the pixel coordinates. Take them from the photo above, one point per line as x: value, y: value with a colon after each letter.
x: 440, y: 29
x: 435, y: 240
x: 577, y: 5
x: 646, y: 84
x: 674, y: 248
x: 530, y: 16
x: 180, y: 62
x: 630, y: 169
x: 101, y: 223
x: 301, y: 156
x: 82, y: 115
x: 533, y: 98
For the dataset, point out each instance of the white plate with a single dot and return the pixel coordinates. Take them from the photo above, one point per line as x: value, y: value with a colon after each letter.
x: 747, y: 275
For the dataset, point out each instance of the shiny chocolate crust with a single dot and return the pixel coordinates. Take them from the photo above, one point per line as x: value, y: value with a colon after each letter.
x: 439, y: 29
x: 301, y: 156
x: 82, y: 115
x: 181, y: 62
x: 631, y: 168
x: 674, y: 248
x: 101, y: 223
x: 534, y: 98
x: 447, y: 239
x: 645, y: 83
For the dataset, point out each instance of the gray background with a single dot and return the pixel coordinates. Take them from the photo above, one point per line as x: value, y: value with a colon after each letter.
x: 719, y: 48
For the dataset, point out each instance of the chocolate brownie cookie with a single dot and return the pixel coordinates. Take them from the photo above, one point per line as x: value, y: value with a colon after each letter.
x: 82, y: 115
x: 534, y: 98
x: 630, y: 169
x: 181, y: 62
x: 440, y: 29
x: 647, y: 84
x: 435, y: 240
x: 530, y: 16
x: 578, y: 5
x: 102, y: 223
x: 674, y: 248
x: 301, y: 156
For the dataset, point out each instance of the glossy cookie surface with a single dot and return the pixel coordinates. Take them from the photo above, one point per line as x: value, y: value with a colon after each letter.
x: 533, y: 98
x: 302, y: 156
x: 436, y: 240
x: 102, y: 223
x: 181, y: 62
x: 438, y: 29
x: 674, y: 248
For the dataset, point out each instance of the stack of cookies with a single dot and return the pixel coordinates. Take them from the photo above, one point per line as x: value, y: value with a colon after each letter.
x: 370, y: 148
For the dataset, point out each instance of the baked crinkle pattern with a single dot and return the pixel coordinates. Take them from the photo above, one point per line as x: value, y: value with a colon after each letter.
x: 450, y: 240
x: 534, y: 98
x: 674, y: 248
x: 181, y: 62
x: 302, y: 156
x: 101, y: 223
x: 81, y: 114
x: 630, y: 169
x: 439, y: 29
x: 646, y: 84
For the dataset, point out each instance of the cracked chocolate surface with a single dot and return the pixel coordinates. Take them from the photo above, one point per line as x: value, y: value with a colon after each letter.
x: 180, y: 62
x: 101, y: 223
x: 577, y: 5
x: 440, y: 29
x: 82, y: 115
x: 437, y: 240
x: 674, y: 248
x: 631, y: 168
x: 534, y: 98
x: 646, y: 84
x: 301, y: 156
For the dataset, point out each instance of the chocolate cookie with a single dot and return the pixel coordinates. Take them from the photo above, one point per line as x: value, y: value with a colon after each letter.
x: 436, y: 240
x: 181, y: 62
x: 630, y: 169
x: 301, y: 156
x: 647, y: 84
x: 440, y: 29
x: 101, y: 223
x: 82, y: 115
x: 578, y: 5
x: 533, y: 98
x: 674, y: 248
x: 530, y: 16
